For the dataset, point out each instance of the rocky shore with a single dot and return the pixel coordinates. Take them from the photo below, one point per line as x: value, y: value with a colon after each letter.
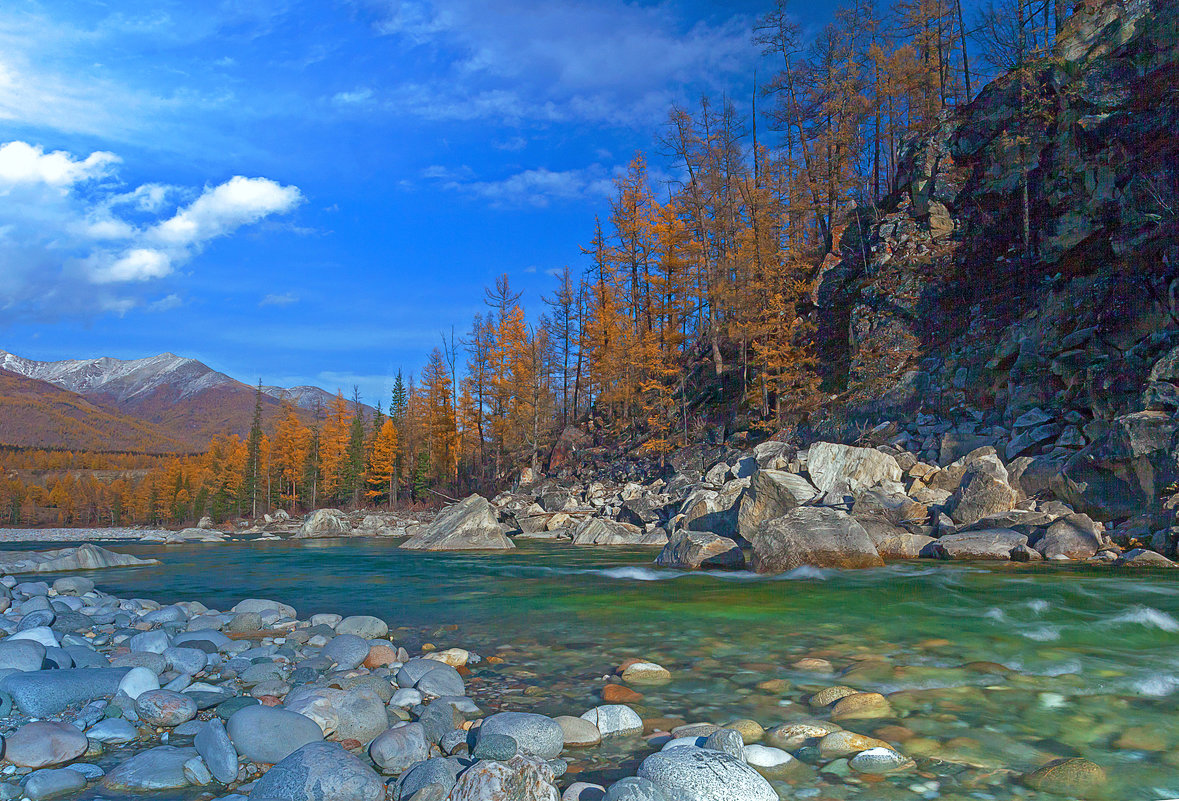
x: 128, y: 697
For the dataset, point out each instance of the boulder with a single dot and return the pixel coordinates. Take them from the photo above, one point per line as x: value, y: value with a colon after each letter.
x: 324, y: 523
x: 83, y: 557
x: 469, y: 525
x: 984, y: 491
x: 692, y: 550
x: 895, y: 507
x: 597, y: 531
x: 813, y: 536
x: 772, y: 493
x: 893, y: 542
x: 714, y: 510
x: 320, y: 772
x: 832, y: 466
x: 1074, y: 536
x: 981, y: 544
x: 1140, y: 557
x: 700, y: 773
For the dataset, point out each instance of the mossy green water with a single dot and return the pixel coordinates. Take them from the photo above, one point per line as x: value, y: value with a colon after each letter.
x: 992, y: 671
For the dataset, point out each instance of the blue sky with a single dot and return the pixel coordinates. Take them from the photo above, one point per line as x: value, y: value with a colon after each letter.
x: 309, y: 192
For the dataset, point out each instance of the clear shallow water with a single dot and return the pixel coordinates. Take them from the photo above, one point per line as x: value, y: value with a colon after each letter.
x: 1091, y: 655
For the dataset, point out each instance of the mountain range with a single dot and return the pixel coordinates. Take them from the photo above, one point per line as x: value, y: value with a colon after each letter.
x: 161, y: 403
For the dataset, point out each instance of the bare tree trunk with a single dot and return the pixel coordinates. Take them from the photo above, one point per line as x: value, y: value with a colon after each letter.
x: 962, y: 43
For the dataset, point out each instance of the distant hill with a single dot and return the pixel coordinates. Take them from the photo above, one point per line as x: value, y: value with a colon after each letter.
x: 37, y: 414
x: 175, y: 402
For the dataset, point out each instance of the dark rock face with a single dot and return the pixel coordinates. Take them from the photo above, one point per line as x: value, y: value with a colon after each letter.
x: 932, y: 290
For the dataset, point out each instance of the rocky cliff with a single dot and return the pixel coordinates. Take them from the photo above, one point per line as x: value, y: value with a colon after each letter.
x: 1063, y: 351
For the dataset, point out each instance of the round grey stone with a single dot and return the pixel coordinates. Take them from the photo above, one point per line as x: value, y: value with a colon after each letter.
x: 443, y: 680
x: 112, y: 731
x: 535, y: 735
x: 52, y: 783
x: 347, y: 650
x: 442, y: 772
x: 44, y: 743
x: 366, y: 626
x: 213, y: 744
x: 186, y: 660
x: 634, y: 789
x: 691, y: 772
x: 499, y: 747
x: 397, y: 749
x: 320, y: 772
x: 614, y: 720
x: 160, y: 768
x: 269, y: 734
x: 23, y: 655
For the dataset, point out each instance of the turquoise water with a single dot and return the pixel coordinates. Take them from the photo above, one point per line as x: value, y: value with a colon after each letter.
x: 1087, y: 658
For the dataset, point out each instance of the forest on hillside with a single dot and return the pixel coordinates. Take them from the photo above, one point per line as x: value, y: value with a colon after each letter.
x: 693, y: 312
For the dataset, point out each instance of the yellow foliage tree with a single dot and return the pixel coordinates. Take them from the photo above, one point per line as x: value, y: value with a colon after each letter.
x: 382, y: 462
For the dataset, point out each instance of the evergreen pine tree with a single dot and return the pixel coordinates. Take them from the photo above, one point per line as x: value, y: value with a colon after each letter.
x: 253, y: 471
x: 354, y: 463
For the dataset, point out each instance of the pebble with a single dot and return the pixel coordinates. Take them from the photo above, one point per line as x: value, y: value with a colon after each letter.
x: 165, y: 708
x: 137, y: 681
x: 578, y: 732
x: 646, y: 673
x: 614, y: 720
x: 113, y: 731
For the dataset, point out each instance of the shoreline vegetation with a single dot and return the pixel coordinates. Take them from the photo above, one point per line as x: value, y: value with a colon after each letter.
x: 770, y: 508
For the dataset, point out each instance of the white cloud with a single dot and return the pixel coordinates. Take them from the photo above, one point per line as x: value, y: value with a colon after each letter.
x: 532, y: 187
x: 610, y: 61
x: 22, y: 163
x: 137, y: 264
x: 355, y: 97
x: 166, y: 303
x: 285, y: 299
x: 68, y: 247
x: 225, y: 208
